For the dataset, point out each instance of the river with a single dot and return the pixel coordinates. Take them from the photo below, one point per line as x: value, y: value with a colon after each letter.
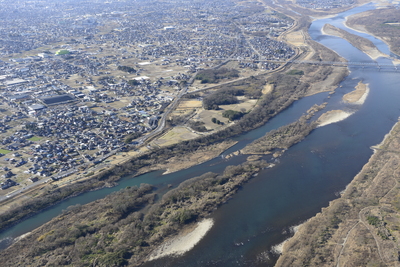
x: 308, y: 176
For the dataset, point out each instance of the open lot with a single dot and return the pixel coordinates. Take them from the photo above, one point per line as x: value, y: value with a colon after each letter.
x: 175, y: 135
x: 5, y: 151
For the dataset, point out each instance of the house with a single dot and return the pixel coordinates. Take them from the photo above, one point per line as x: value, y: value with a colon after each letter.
x: 8, y: 174
x: 34, y: 179
x: 7, y: 184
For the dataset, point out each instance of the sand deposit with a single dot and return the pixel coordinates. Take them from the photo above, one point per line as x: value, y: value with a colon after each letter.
x: 183, y: 243
x: 332, y: 116
x: 359, y: 95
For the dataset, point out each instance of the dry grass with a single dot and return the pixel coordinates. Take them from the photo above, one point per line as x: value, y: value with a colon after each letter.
x: 357, y: 94
x: 246, y: 104
x: 268, y: 89
x: 190, y: 104
x: 175, y: 135
x: 198, y: 157
x: 296, y: 38
x: 328, y: 84
x: 206, y: 116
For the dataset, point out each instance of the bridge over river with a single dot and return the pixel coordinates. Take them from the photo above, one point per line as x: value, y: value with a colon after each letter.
x: 369, y: 65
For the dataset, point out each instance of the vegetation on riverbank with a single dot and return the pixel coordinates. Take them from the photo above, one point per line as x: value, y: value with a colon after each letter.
x: 362, y: 227
x: 124, y: 227
x: 51, y: 196
x: 359, y: 42
x: 281, y: 138
x: 227, y: 94
x: 382, y: 23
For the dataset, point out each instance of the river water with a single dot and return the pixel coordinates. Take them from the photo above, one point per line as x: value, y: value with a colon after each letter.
x: 308, y: 176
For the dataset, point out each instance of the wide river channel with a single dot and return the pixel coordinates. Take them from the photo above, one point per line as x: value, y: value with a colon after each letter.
x: 309, y: 175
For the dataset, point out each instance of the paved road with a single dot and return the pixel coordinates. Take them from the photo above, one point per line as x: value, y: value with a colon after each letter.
x: 167, y: 111
x: 32, y: 185
x: 25, y: 188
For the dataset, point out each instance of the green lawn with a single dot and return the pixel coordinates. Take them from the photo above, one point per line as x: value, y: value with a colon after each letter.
x: 4, y: 151
x: 35, y: 138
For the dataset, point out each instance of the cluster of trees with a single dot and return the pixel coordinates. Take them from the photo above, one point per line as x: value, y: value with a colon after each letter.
x: 221, y: 97
x: 126, y: 69
x: 214, y: 75
x: 226, y: 95
x: 283, y: 137
x: 124, y: 227
x: 295, y: 72
x: 216, y: 121
x: 31, y: 126
x: 133, y: 82
x: 191, y: 96
x: 198, y: 126
x: 107, y: 79
x: 232, y: 114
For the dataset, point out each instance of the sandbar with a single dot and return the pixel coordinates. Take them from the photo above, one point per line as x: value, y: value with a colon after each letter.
x: 359, y: 95
x: 183, y: 243
x: 332, y: 117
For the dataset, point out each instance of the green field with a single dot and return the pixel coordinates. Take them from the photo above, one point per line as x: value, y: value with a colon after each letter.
x: 4, y: 151
x: 35, y: 138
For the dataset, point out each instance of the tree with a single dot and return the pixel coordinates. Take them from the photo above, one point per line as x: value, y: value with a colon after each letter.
x: 232, y: 114
x: 133, y: 82
x: 126, y: 69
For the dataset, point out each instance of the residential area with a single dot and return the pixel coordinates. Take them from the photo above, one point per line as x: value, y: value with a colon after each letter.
x: 324, y: 4
x: 79, y: 85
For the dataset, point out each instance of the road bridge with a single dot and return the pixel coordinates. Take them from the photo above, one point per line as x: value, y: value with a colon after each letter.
x: 335, y: 63
x: 311, y: 62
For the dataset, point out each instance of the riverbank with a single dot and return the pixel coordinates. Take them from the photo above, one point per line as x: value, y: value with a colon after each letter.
x: 374, y: 22
x: 182, y: 162
x: 363, y: 44
x: 361, y: 227
x: 361, y: 29
x: 284, y: 137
